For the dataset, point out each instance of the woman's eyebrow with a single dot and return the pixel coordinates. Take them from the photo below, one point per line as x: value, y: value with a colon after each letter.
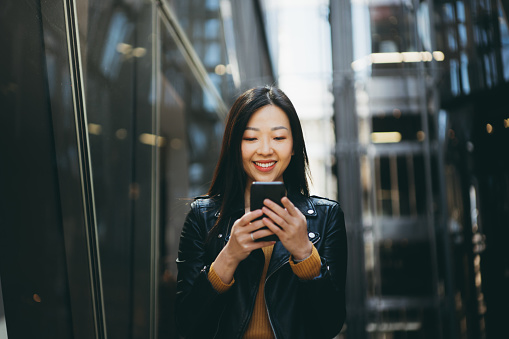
x: 272, y: 129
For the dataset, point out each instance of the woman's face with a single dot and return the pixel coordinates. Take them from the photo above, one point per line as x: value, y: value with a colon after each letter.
x: 267, y: 145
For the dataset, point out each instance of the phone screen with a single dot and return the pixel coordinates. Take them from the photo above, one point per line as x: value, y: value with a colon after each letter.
x: 266, y: 190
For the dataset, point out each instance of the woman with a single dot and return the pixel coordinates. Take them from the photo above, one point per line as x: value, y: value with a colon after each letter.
x: 231, y: 286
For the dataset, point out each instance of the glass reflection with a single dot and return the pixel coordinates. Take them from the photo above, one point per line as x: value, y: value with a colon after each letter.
x: 394, y: 30
x: 474, y: 45
x: 190, y: 122
x: 153, y: 147
x: 202, y: 22
x: 110, y: 85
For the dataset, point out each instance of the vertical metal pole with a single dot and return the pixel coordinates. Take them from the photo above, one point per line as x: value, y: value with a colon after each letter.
x: 78, y: 93
x: 156, y: 178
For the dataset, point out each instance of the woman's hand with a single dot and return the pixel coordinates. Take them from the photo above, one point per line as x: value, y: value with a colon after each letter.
x: 292, y: 230
x: 243, y: 234
x: 242, y: 242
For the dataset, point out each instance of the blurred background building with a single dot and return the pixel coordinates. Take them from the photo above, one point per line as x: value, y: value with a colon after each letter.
x: 111, y: 118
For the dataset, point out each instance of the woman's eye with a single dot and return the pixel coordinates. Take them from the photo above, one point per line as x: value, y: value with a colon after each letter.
x: 279, y: 138
x: 250, y: 139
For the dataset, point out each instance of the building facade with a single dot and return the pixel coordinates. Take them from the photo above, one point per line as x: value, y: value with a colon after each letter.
x: 419, y: 90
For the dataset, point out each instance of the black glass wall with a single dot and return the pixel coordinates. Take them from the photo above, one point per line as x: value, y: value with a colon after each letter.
x: 49, y: 263
x: 155, y: 123
x: 112, y: 116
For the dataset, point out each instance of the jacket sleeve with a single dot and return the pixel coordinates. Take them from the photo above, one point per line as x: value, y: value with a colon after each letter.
x: 198, y: 304
x: 324, y: 296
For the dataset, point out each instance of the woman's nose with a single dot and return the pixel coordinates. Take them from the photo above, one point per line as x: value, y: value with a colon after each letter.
x: 265, y: 148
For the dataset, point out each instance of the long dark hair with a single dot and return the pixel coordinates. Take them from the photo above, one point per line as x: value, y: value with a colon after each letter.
x: 229, y: 180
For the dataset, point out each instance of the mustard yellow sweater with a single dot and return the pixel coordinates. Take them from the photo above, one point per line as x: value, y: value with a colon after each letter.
x: 259, y: 324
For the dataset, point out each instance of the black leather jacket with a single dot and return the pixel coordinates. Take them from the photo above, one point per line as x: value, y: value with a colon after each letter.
x: 296, y: 308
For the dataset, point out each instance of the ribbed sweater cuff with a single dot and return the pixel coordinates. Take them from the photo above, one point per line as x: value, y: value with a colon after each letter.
x: 309, y: 268
x: 216, y: 282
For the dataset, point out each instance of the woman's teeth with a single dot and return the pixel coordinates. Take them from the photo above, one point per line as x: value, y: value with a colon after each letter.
x: 265, y: 164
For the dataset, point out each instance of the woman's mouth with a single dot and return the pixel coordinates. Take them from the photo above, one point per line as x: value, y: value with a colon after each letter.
x: 264, y: 166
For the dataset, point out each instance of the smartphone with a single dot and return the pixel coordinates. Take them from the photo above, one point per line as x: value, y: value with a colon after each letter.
x: 260, y: 191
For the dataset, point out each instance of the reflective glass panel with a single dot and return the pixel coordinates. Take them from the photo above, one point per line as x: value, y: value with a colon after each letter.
x: 117, y: 73
x: 394, y: 37
x: 202, y: 22
x: 191, y: 129
x: 154, y: 141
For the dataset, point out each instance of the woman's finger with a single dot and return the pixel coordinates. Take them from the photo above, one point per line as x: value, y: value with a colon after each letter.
x: 282, y: 212
x: 290, y: 207
x: 273, y: 227
x: 278, y: 219
x: 253, y: 226
x: 261, y: 234
x: 249, y: 217
x: 273, y: 206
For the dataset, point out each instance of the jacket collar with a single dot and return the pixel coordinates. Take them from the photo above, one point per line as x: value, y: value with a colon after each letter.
x: 304, y: 204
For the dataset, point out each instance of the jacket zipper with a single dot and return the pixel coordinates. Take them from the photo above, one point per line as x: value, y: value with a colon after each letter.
x: 265, y: 297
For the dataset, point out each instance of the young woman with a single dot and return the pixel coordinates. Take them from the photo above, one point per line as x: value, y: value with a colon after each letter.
x: 231, y: 286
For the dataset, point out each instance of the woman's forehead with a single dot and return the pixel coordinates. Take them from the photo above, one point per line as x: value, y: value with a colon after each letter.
x: 271, y: 117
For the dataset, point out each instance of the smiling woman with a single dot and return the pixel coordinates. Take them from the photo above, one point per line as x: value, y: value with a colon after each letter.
x: 267, y: 145
x: 231, y: 286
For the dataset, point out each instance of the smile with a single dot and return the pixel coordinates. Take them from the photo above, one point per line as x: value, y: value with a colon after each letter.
x: 264, y: 166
